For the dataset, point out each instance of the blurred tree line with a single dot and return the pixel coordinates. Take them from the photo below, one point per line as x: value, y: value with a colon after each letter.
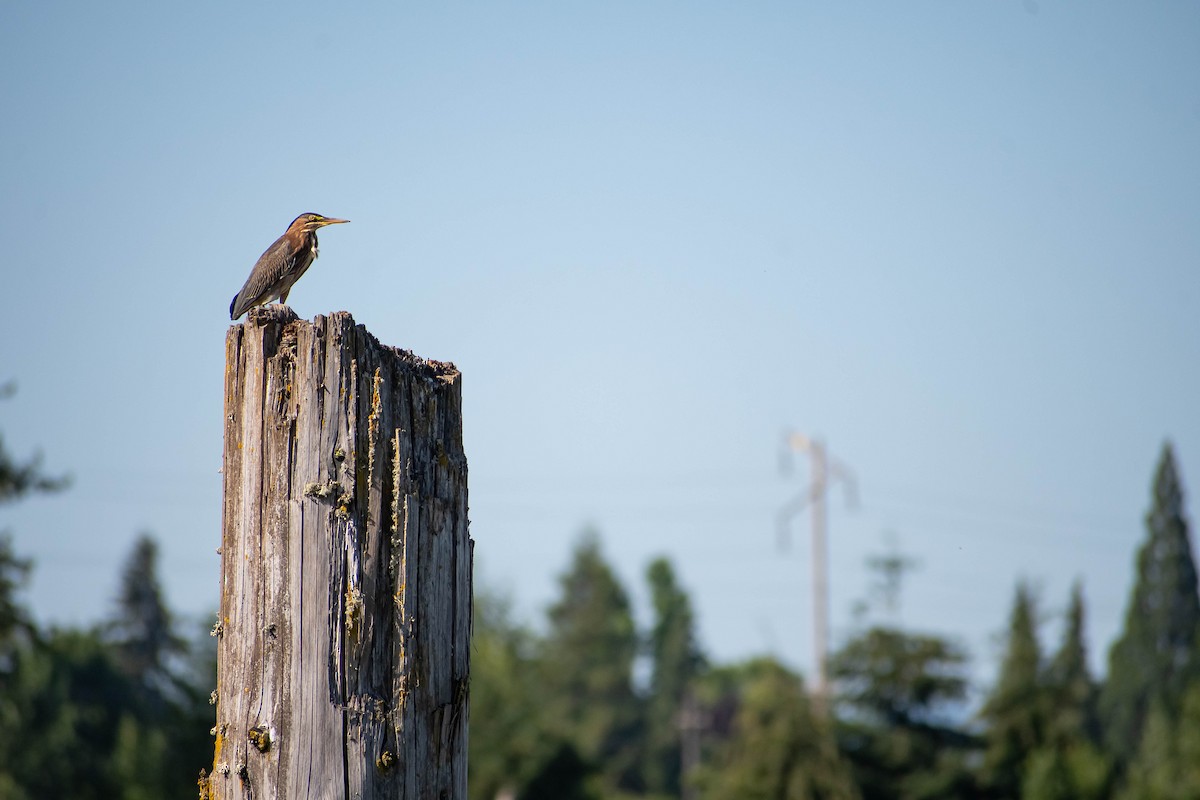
x: 592, y: 707
x: 116, y: 710
x: 568, y: 713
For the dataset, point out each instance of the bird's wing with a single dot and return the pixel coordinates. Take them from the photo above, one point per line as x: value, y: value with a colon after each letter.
x: 271, y: 266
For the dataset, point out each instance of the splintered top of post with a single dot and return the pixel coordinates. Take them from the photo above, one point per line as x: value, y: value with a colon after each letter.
x: 284, y: 316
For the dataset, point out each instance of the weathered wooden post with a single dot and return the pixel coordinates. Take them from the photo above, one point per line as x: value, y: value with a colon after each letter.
x: 345, y: 622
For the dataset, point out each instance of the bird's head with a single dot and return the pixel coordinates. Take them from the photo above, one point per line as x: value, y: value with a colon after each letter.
x: 310, y: 222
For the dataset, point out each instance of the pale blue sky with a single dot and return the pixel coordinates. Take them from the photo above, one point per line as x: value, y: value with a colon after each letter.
x: 959, y: 240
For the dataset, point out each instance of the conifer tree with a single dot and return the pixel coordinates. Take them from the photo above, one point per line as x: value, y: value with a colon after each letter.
x: 1071, y: 689
x: 159, y: 739
x: 1187, y: 740
x: 587, y: 668
x: 512, y: 749
x: 17, y: 480
x: 675, y: 661
x: 1167, y: 764
x: 16, y: 626
x: 72, y: 723
x: 18, y: 634
x: 142, y: 629
x: 777, y: 748
x: 1015, y: 711
x: 1153, y: 772
x: 900, y: 693
x: 1155, y: 658
x: 1069, y: 765
x: 68, y: 699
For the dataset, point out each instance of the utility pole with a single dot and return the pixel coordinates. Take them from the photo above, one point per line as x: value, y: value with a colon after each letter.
x: 821, y: 470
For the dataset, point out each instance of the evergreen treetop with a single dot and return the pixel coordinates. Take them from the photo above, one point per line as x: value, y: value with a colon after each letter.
x: 587, y: 667
x: 1015, y: 711
x: 1155, y: 657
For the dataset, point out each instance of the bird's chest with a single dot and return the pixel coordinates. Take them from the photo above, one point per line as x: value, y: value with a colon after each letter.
x: 305, y: 254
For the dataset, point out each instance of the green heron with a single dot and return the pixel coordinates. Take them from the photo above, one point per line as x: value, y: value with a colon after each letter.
x: 282, y: 264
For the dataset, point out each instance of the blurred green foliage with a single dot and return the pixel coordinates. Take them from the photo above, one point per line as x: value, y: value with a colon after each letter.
x: 901, y: 724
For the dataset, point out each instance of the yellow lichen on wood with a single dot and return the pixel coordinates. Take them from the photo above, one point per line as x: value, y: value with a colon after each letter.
x: 260, y: 737
x: 354, y: 607
x: 204, y: 784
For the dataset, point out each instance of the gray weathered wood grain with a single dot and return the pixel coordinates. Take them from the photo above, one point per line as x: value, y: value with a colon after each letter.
x: 344, y: 630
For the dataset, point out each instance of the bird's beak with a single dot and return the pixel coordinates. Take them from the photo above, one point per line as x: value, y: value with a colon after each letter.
x: 328, y: 221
